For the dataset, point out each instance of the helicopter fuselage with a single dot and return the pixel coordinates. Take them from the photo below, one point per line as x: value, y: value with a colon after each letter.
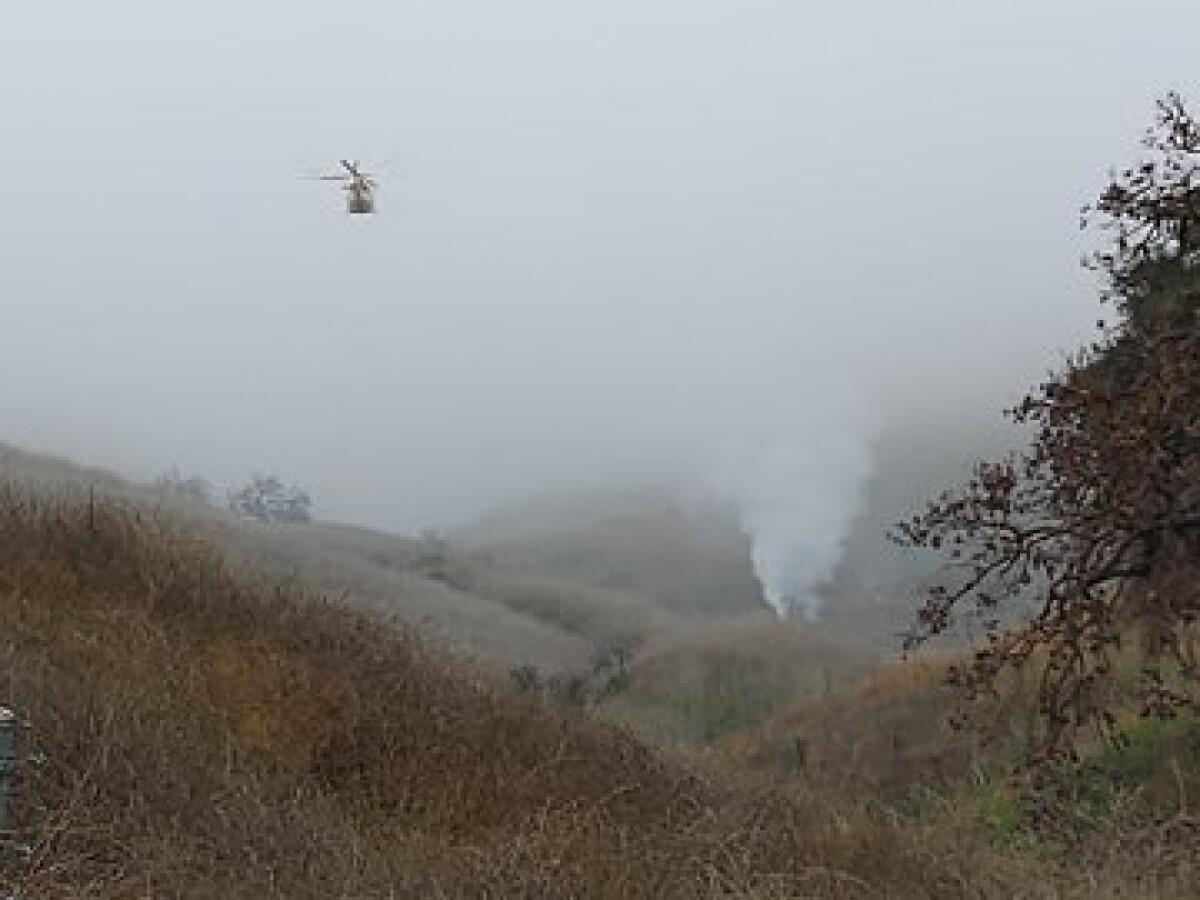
x: 359, y: 199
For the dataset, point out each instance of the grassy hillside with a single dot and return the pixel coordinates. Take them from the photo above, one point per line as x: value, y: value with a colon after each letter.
x: 697, y: 684
x: 211, y: 735
x: 680, y: 551
x: 195, y: 733
x: 884, y: 732
x: 387, y: 574
x: 1122, y: 815
x: 196, y: 730
x: 461, y: 601
x: 509, y: 605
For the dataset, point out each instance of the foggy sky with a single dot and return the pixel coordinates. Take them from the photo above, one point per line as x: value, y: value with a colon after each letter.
x: 615, y: 239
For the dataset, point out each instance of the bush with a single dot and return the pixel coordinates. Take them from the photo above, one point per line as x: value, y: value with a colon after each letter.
x: 267, y: 499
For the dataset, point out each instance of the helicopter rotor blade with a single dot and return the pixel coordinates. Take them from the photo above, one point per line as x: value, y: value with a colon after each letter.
x: 312, y: 175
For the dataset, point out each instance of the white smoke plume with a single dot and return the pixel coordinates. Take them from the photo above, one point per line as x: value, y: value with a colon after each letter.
x: 798, y: 495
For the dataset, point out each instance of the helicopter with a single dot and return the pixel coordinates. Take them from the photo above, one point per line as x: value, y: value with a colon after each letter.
x: 359, y: 187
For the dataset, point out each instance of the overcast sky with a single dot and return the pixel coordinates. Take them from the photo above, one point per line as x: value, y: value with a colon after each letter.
x: 614, y: 237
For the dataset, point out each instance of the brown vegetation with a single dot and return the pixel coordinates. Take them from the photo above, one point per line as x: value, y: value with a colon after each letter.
x: 193, y: 732
x: 700, y: 682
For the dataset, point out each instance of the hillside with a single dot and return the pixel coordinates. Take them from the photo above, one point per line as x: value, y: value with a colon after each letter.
x: 695, y: 671
x: 508, y: 615
x: 679, y: 549
x: 205, y: 734
x: 194, y: 730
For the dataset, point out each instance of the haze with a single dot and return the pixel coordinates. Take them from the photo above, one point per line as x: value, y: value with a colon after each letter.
x: 616, y: 240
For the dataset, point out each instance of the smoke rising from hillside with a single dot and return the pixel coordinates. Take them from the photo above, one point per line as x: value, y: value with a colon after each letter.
x: 799, y: 491
x: 798, y: 511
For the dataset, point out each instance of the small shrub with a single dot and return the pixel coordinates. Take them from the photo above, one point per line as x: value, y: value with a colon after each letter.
x: 267, y: 499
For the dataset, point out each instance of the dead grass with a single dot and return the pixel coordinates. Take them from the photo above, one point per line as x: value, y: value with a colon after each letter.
x: 890, y: 733
x: 195, y: 732
x: 699, y: 682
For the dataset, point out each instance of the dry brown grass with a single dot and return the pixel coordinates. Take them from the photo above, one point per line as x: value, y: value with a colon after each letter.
x: 197, y: 733
x: 697, y: 682
x: 885, y: 732
x: 890, y: 733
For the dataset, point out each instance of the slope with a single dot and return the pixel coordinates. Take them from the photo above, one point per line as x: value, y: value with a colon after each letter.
x: 196, y: 732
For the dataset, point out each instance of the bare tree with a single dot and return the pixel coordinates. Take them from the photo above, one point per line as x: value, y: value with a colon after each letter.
x: 1093, y: 533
